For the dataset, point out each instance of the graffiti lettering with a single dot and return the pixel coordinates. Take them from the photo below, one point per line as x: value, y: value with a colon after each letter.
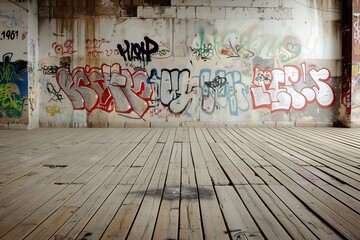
x: 106, y: 87
x: 56, y: 96
x: 244, y: 45
x: 174, y: 94
x: 356, y: 36
x: 48, y: 70
x: 53, y: 110
x: 281, y: 89
x: 223, y: 90
x: 289, y: 51
x: 236, y: 51
x: 9, y: 35
x: 163, y: 52
x: 135, y: 51
x: 31, y: 102
x: 63, y: 49
x: 13, y: 86
x: 10, y: 100
x: 203, y: 52
x: 93, y: 46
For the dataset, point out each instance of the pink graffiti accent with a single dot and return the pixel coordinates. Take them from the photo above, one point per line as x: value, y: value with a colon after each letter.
x: 107, y: 88
x: 282, y: 90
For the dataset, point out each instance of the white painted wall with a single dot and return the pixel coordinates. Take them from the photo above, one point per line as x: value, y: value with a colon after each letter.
x: 218, y: 62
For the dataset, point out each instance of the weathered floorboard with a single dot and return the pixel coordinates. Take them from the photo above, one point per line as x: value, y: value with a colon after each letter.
x: 180, y: 183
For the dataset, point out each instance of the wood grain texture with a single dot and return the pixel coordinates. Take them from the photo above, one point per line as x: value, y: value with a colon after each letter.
x: 180, y: 183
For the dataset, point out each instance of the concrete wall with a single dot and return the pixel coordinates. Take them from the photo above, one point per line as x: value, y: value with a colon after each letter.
x: 201, y: 62
x: 353, y: 92
x: 17, y: 103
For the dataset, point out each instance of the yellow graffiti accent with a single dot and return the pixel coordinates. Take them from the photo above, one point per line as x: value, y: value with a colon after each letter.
x: 357, y: 49
x: 8, y: 97
x: 53, y: 110
x: 355, y: 70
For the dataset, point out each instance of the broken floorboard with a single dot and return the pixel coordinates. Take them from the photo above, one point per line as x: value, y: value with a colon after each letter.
x: 180, y: 183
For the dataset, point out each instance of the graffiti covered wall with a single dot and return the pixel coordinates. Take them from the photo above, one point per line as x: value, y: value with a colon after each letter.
x: 13, y: 64
x: 353, y: 90
x: 250, y: 64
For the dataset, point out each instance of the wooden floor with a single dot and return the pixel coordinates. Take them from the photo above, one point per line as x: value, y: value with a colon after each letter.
x: 180, y: 183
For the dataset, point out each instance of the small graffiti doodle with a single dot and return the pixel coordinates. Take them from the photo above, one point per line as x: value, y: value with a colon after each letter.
x: 48, y: 70
x: 11, y: 20
x: 56, y: 95
x: 53, y: 110
x: 203, y: 52
x: 63, y: 49
x: 289, y: 51
x: 13, y: 85
x: 282, y: 90
x: 236, y: 51
x: 140, y: 52
x: 356, y: 36
x: 163, y: 52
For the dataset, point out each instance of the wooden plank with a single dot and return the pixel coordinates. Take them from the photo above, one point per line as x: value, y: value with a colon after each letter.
x: 346, y: 169
x: 240, y: 164
x: 326, y: 143
x: 322, y: 188
x: 22, y: 212
x: 48, y: 228
x: 235, y: 176
x: 167, y: 224
x: 103, y: 216
x: 141, y: 159
x: 141, y: 134
x: 340, y: 176
x: 296, y: 173
x: 239, y: 221
x: 29, y: 223
x: 216, y: 173
x: 178, y: 135
x: 247, y: 156
x: 334, y: 182
x: 124, y: 217
x: 289, y: 221
x: 315, y: 224
x: 201, y: 171
x: 190, y: 219
x: 113, y: 159
x: 88, y: 189
x: 266, y: 221
x: 186, y: 136
x: 92, y: 202
x: 213, y: 223
x: 164, y: 135
x: 215, y: 136
x: 144, y: 223
x: 333, y: 217
x: 120, y: 225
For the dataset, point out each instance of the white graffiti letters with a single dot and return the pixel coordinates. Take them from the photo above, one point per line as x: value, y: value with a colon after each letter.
x: 282, y: 90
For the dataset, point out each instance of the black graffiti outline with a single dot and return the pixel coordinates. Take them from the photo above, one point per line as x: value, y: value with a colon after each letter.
x: 57, y: 96
x: 138, y: 51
